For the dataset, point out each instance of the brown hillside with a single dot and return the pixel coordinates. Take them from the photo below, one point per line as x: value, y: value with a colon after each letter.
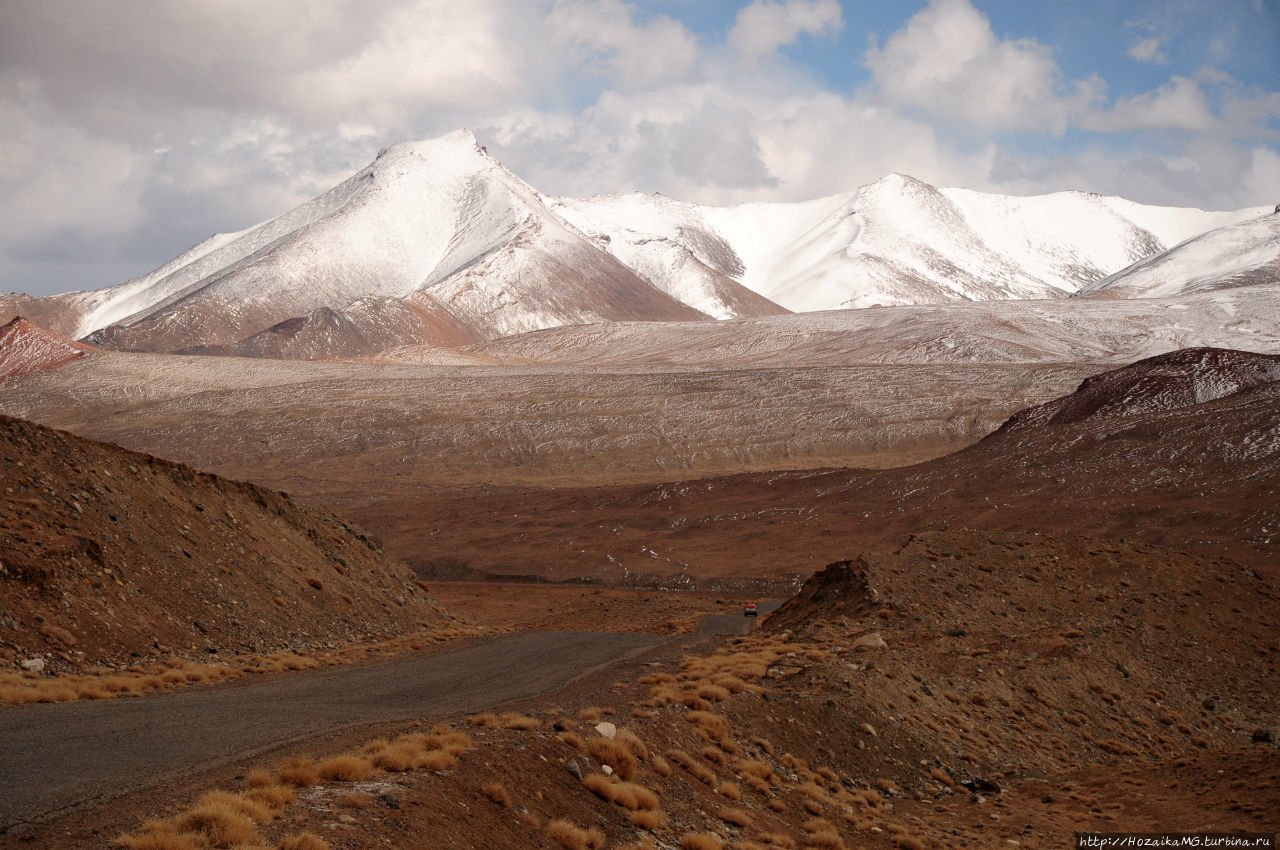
x: 109, y: 556
x: 1199, y: 474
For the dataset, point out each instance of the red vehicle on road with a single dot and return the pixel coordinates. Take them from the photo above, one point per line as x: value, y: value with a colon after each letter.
x: 750, y: 610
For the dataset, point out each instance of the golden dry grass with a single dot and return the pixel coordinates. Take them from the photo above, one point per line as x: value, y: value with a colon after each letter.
x: 616, y: 755
x: 513, y: 720
x: 157, y: 835
x: 344, y: 768
x: 700, y: 841
x: 304, y: 841
x: 712, y: 726
x: 497, y: 792
x: 629, y: 739
x: 570, y: 836
x: 629, y: 795
x: 694, y: 767
x: 737, y: 817
x: 299, y: 772
x: 217, y: 824
x: 648, y: 818
x: 730, y: 790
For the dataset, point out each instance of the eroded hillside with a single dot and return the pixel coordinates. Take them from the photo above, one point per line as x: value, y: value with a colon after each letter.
x: 109, y: 556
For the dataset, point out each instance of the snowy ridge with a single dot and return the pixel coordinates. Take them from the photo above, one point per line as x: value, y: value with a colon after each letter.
x: 895, y: 241
x: 417, y: 218
x: 489, y: 257
x: 1241, y: 254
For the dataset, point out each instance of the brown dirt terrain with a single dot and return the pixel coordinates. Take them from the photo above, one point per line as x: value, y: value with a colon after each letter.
x: 530, y: 606
x: 1180, y: 472
x: 109, y: 557
x: 972, y: 689
x: 1097, y: 650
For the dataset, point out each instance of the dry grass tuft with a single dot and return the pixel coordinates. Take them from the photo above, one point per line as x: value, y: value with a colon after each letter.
x: 715, y: 755
x: 737, y: 817
x: 304, y: 841
x: 648, y: 818
x: 629, y: 795
x: 253, y: 809
x: 700, y: 841
x: 712, y: 726
x: 157, y: 835
x: 344, y: 768
x: 609, y: 751
x: 259, y: 778
x: 439, y: 760
x: 628, y: 739
x: 512, y: 720
x: 217, y: 824
x: 695, y: 768
x: 730, y: 790
x: 570, y: 836
x: 299, y: 772
x: 660, y: 766
x: 776, y: 839
x: 497, y: 792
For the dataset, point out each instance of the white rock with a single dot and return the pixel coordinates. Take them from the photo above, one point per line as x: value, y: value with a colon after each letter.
x: 607, y: 729
x: 33, y: 665
x: 871, y: 640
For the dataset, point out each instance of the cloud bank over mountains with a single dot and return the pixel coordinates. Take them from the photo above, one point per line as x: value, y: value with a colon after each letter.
x: 137, y: 129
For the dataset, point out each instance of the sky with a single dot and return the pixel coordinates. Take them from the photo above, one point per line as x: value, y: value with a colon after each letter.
x: 131, y: 130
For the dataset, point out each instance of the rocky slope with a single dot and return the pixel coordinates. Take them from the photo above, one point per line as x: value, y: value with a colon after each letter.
x: 109, y: 556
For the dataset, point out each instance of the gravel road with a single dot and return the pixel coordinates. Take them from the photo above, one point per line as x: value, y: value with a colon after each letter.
x: 60, y: 758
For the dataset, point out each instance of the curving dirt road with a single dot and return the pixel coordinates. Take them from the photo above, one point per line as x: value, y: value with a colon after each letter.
x: 60, y: 758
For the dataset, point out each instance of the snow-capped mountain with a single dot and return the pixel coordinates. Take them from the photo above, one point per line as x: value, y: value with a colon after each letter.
x: 895, y: 241
x: 440, y: 216
x: 1242, y: 254
x: 435, y: 243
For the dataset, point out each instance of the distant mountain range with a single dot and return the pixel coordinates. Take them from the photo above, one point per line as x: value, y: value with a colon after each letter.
x: 437, y: 243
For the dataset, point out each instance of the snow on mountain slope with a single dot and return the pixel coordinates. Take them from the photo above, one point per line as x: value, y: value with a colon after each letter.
x: 27, y: 347
x: 418, y: 216
x: 669, y: 244
x: 1240, y: 254
x: 1076, y: 330
x: 1164, y: 383
x: 895, y: 241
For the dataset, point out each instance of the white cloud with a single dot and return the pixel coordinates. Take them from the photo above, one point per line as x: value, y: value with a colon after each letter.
x: 948, y: 62
x: 1147, y: 50
x: 603, y: 37
x: 1179, y: 104
x: 764, y: 26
